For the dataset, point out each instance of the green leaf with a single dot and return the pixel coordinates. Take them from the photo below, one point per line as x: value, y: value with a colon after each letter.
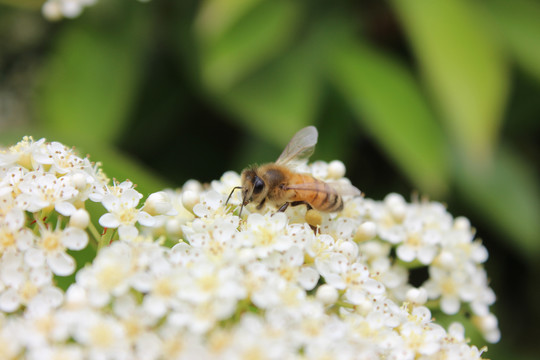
x: 517, y: 22
x: 251, y: 41
x: 463, y: 67
x: 91, y: 77
x: 279, y: 100
x: 389, y: 102
x: 508, y: 196
x: 217, y: 16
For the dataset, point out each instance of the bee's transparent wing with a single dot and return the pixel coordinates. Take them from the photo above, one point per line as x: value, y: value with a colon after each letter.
x: 300, y: 148
x: 344, y: 188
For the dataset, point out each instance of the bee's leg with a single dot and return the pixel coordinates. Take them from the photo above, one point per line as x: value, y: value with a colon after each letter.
x: 259, y: 207
x: 296, y: 203
x: 284, y: 207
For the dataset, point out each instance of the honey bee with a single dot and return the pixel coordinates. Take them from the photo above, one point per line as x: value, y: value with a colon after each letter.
x: 280, y: 185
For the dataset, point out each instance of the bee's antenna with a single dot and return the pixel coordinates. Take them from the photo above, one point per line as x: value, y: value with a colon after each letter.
x: 229, y: 198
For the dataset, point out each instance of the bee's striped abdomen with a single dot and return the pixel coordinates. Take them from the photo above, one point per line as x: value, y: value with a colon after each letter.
x: 320, y: 195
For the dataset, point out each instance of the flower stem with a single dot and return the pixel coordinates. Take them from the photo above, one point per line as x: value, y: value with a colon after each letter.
x: 96, y: 236
x: 106, y: 238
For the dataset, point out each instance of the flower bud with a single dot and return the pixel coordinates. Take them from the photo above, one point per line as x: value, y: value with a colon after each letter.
x: 79, y: 219
x: 417, y: 296
x: 190, y: 199
x: 336, y: 169
x: 159, y: 203
x: 366, y: 231
x: 327, y: 294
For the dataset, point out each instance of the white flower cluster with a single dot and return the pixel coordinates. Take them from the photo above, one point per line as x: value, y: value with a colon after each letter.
x: 184, y: 277
x: 424, y: 234
x: 42, y: 189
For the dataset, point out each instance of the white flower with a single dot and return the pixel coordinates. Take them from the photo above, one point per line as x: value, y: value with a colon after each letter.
x: 340, y: 228
x: 110, y: 274
x: 103, y: 336
x: 267, y: 233
x: 40, y: 191
x: 289, y: 266
x: 62, y: 159
x: 52, y: 246
x: 352, y: 277
x: 447, y: 286
x: 26, y: 285
x: 123, y: 214
x: 24, y: 153
x: 320, y: 247
x: 419, y: 339
x: 163, y: 292
x: 489, y: 326
x: 12, y: 233
x: 418, y: 246
x: 228, y: 180
x: 210, y: 205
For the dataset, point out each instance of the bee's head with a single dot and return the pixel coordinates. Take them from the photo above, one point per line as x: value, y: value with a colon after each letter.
x: 253, y: 187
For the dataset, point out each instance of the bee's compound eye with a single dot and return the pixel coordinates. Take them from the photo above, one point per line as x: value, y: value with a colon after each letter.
x: 258, y: 185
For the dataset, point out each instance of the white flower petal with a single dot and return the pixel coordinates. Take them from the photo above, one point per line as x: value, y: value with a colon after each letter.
x: 145, y: 219
x: 9, y: 300
x: 74, y: 238
x: 154, y: 305
x: 110, y: 202
x: 148, y: 346
x: 65, y: 208
x: 406, y: 253
x: 255, y: 220
x: 308, y: 278
x: 34, y: 257
x: 61, y: 263
x: 14, y: 219
x: 130, y: 198
x: 373, y: 287
x: 429, y: 348
x: 127, y: 232
x: 41, y: 276
x: 53, y: 296
x: 426, y: 254
x: 25, y: 239
x: 450, y: 305
x: 109, y: 221
x: 7, y: 159
x: 355, y: 296
x: 422, y: 312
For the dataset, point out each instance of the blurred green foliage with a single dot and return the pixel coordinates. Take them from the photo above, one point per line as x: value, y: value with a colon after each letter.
x: 438, y: 97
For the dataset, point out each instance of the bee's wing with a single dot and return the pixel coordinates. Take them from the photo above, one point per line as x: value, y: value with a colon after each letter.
x: 300, y: 148
x: 344, y: 188
x: 341, y: 187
